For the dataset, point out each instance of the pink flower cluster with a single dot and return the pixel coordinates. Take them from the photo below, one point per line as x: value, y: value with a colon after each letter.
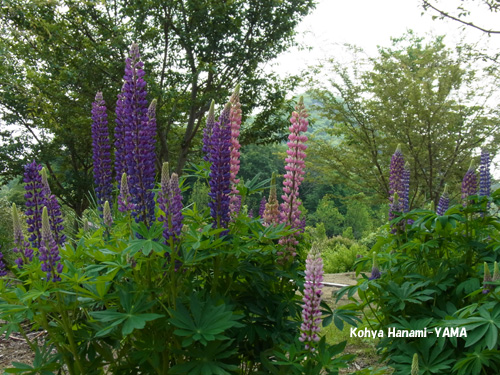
x: 311, y: 313
x: 290, y: 213
x: 235, y: 120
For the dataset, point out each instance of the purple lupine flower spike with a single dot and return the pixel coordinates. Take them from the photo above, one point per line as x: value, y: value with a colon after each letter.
x: 124, y: 198
x: 35, y: 201
x: 406, y: 188
x: 290, y: 213
x: 3, y: 268
x: 469, y: 184
x: 375, y: 270
x: 101, y: 151
x: 220, y: 172
x: 311, y: 312
x: 21, y: 246
x: 444, y: 202
x: 485, y: 175
x: 262, y: 207
x: 48, y: 253
x: 207, y: 132
x: 235, y: 123
x: 170, y: 202
x: 140, y: 132
x: 271, y: 213
x: 250, y: 213
x: 54, y: 209
x: 120, y: 161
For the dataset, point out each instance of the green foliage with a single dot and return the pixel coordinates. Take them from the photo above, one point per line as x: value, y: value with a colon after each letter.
x: 431, y: 278
x: 129, y: 302
x: 199, y: 195
x: 338, y: 257
x: 56, y: 55
x: 328, y: 214
x: 358, y: 218
x: 417, y: 93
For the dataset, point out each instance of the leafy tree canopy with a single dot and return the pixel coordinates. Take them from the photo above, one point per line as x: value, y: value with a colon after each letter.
x: 417, y: 93
x: 56, y: 55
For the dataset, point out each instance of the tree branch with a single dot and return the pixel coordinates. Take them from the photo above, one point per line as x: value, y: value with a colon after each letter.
x: 447, y: 15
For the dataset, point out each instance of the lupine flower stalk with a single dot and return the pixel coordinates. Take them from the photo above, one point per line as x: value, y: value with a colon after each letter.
x: 487, y: 279
x: 101, y: 151
x: 444, y: 202
x: 262, y: 207
x: 311, y: 312
x: 290, y: 213
x: 220, y: 172
x: 496, y: 272
x: 21, y: 246
x: 140, y: 132
x: 120, y: 161
x: 396, y: 184
x: 207, y: 132
x: 485, y: 175
x: 405, y: 198
x: 271, y: 213
x: 3, y: 269
x: 35, y: 201
x: 108, y: 219
x: 124, y: 198
x: 375, y: 270
x: 170, y: 202
x: 469, y: 184
x: 48, y: 253
x: 414, y: 365
x: 235, y: 121
x: 54, y: 209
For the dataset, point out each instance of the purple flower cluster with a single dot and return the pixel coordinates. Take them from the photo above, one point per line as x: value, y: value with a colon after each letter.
x: 262, y: 207
x: 48, y: 252
x: 375, y: 270
x: 220, y: 170
x: 235, y: 123
x: 54, y: 210
x: 35, y: 201
x: 485, y: 175
x: 3, y: 270
x: 444, y: 202
x: 101, y: 151
x: 207, y: 132
x: 290, y: 213
x: 405, y: 198
x: 170, y: 202
x: 21, y: 246
x: 120, y: 152
x: 469, y: 184
x: 139, y: 131
x: 311, y: 312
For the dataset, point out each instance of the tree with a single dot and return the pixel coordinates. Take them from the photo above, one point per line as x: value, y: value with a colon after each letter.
x: 462, y: 14
x: 419, y: 94
x: 56, y: 55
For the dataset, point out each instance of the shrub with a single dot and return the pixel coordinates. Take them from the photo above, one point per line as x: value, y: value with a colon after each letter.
x: 430, y: 276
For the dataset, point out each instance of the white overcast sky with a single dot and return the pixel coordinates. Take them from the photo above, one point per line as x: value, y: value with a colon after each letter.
x: 368, y: 23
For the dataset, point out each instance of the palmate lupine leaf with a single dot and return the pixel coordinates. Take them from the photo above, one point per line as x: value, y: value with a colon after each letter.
x: 132, y: 318
x: 483, y: 327
x: 205, y: 322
